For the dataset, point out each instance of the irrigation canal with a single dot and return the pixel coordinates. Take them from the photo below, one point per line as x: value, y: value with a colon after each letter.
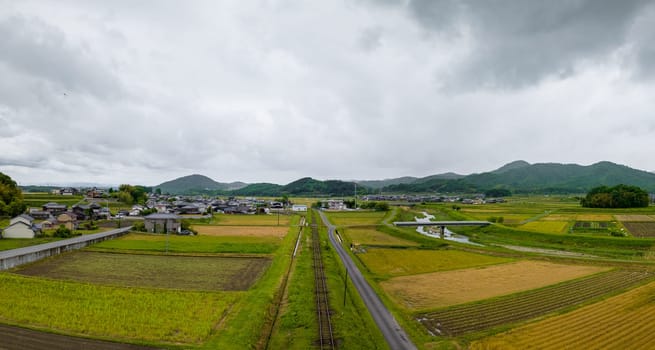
x: 16, y: 257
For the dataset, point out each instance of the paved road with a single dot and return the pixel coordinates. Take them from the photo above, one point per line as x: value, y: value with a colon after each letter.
x: 393, y: 333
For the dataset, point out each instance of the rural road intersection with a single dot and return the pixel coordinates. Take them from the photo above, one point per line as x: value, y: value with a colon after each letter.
x: 393, y: 333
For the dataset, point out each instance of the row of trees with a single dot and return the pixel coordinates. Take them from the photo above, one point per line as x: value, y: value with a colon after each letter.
x: 619, y: 196
x: 132, y: 194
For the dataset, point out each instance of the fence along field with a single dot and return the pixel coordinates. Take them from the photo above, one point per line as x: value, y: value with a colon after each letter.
x: 446, y: 288
x: 621, y: 322
x: 474, y: 317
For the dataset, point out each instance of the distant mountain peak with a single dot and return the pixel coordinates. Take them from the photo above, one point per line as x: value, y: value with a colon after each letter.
x: 196, y: 183
x: 517, y: 164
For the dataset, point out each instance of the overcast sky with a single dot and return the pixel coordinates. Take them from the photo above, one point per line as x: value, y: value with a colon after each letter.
x: 143, y: 92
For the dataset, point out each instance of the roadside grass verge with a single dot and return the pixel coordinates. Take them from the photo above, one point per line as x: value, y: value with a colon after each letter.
x: 297, y: 325
x: 353, y: 323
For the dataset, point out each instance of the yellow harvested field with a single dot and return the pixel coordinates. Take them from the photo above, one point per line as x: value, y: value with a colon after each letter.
x: 252, y: 231
x: 546, y: 226
x: 440, y: 289
x: 621, y: 322
x: 634, y: 218
x: 485, y: 210
x: 558, y: 217
x: 594, y: 217
x: 251, y: 220
x: 400, y: 262
x: 369, y: 236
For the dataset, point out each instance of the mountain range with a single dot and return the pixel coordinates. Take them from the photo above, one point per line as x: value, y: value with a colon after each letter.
x: 517, y: 177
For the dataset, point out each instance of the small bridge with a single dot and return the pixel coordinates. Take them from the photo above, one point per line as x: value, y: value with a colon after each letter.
x: 442, y: 224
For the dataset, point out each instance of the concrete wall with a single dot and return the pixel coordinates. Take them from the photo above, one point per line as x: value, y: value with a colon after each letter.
x: 20, y: 256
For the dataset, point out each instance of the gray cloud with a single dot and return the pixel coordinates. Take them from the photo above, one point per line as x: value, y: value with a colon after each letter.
x: 278, y: 90
x: 42, y: 51
x: 519, y: 43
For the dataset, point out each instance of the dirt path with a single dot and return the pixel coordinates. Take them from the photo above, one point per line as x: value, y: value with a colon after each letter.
x: 15, y: 338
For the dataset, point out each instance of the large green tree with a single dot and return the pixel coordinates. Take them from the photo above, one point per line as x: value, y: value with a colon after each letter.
x: 11, y: 197
x: 619, y: 196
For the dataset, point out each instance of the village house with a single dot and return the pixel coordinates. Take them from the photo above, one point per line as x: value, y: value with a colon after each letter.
x: 336, y: 204
x: 68, y: 219
x: 162, y: 223
x: 55, y: 208
x: 21, y: 226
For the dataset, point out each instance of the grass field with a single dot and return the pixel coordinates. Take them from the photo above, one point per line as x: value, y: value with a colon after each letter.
x: 347, y: 218
x: 620, y: 322
x: 155, y: 271
x: 251, y: 220
x: 192, y: 244
x: 371, y: 236
x: 594, y: 217
x: 446, y: 288
x: 6, y: 244
x: 112, y: 312
x: 400, y: 262
x: 546, y: 226
x: 242, y: 231
x: 39, y: 199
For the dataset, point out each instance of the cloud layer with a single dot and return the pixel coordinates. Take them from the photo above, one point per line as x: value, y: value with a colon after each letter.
x: 143, y: 92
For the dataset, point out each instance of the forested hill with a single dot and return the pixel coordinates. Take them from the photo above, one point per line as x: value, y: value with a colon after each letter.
x: 517, y: 177
x: 522, y: 177
x: 196, y: 184
x: 303, y: 187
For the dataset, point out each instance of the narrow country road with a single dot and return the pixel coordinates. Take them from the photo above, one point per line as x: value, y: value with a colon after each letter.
x: 393, y: 333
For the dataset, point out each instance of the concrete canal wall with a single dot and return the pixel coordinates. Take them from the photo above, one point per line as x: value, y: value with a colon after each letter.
x: 20, y: 256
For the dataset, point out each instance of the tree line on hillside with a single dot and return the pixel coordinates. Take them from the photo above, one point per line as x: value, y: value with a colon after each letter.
x: 619, y: 196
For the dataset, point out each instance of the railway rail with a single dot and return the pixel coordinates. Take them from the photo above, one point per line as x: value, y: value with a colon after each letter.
x: 326, y: 335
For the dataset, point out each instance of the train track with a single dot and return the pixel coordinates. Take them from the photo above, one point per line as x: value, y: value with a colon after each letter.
x: 326, y: 337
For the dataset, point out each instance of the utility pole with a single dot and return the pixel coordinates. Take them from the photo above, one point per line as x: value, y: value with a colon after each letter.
x: 345, y: 288
x: 355, y: 195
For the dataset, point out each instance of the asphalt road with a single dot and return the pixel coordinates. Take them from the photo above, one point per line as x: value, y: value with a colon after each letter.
x: 393, y: 333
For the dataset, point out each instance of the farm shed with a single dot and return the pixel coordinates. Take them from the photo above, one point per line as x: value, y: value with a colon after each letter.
x: 162, y: 223
x: 299, y: 207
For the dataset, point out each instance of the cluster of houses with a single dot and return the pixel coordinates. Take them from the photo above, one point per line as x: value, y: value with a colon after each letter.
x: 164, y: 212
x: 199, y: 205
x: 475, y: 199
x: 72, y: 191
x: 52, y: 215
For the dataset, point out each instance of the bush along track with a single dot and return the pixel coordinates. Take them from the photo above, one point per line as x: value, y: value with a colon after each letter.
x: 468, y: 318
